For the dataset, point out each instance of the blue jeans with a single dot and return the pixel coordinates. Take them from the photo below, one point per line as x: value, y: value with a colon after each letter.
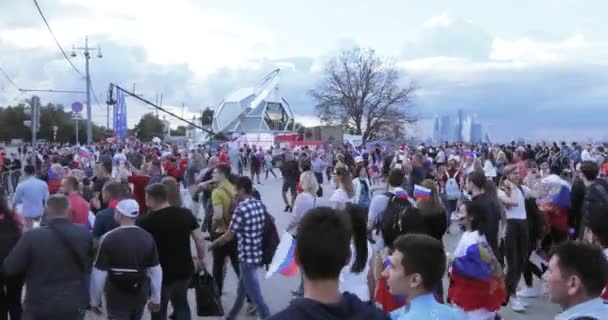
x: 249, y: 286
x: 177, y: 292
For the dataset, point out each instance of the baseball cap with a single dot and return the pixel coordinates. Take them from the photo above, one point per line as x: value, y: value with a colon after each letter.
x: 128, y: 208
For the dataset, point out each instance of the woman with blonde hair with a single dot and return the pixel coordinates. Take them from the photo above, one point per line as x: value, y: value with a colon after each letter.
x: 173, y: 192
x: 305, y: 201
x: 433, y: 213
x: 345, y: 192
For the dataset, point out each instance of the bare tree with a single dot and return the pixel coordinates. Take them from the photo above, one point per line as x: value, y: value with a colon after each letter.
x: 362, y: 92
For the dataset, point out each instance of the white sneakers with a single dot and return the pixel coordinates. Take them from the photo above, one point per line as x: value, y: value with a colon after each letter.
x: 517, y: 305
x: 529, y: 292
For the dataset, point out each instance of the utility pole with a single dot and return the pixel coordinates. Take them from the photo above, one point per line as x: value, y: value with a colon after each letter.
x: 35, y: 124
x: 87, y: 56
x: 110, y: 104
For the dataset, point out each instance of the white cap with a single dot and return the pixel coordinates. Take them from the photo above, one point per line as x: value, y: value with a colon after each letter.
x: 128, y: 208
x: 358, y: 159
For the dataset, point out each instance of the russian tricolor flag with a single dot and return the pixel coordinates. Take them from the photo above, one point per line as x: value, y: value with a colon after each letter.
x: 84, y: 152
x: 421, y: 192
x: 90, y: 221
x: 557, y: 192
x: 284, y: 261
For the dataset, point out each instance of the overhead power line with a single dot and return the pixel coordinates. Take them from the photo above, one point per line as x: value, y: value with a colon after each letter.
x: 95, y: 97
x: 56, y: 41
x: 9, y: 78
x: 52, y: 91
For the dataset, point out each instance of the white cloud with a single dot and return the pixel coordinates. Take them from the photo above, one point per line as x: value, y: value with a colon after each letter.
x: 575, y: 48
x: 175, y: 32
x: 442, y: 20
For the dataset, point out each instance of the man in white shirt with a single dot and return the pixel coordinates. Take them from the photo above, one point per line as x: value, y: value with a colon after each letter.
x: 586, y: 153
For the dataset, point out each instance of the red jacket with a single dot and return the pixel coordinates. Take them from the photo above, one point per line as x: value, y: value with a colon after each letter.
x: 139, y: 189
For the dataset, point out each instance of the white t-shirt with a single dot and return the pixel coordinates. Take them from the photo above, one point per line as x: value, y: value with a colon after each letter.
x: 356, y: 283
x: 339, y: 197
x: 489, y: 169
x: 518, y: 211
x: 119, y: 157
x: 586, y: 156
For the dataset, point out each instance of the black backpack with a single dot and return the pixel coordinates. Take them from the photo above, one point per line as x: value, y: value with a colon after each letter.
x: 270, y: 239
x: 399, y: 218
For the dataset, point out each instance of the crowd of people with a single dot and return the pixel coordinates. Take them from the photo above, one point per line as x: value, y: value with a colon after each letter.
x: 117, y: 221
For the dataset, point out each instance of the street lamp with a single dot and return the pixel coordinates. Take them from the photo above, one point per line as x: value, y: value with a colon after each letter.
x: 87, y: 55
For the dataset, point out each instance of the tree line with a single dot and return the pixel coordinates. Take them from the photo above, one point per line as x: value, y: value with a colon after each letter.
x: 13, y: 117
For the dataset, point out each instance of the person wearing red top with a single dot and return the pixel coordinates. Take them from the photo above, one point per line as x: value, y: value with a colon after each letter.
x: 224, y: 155
x: 140, y: 181
x: 79, y: 207
x: 183, y: 163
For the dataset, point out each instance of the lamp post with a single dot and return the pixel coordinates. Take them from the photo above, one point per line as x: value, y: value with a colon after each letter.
x: 87, y: 56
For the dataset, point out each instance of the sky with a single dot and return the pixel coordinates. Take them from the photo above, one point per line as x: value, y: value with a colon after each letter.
x: 536, y: 69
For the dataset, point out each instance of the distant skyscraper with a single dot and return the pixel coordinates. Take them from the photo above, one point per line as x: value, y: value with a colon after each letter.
x: 467, y: 126
x: 476, y: 133
x: 446, y: 129
x: 437, y: 130
x: 459, y: 126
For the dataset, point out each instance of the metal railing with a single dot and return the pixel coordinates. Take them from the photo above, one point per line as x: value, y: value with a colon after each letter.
x: 9, y: 180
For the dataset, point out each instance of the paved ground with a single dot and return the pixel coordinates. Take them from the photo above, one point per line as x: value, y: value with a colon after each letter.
x: 277, y: 289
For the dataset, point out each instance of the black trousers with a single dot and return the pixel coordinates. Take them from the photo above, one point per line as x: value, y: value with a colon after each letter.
x: 219, y: 262
x: 10, y: 297
x: 319, y: 176
x: 554, y: 238
x: 516, y: 252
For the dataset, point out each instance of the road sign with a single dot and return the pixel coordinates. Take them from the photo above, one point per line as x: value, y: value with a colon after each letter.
x: 76, y: 116
x: 77, y: 107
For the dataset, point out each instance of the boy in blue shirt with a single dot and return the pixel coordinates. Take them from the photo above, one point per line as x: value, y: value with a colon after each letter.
x: 416, y: 268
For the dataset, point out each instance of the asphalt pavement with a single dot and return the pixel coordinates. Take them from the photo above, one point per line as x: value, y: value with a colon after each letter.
x: 277, y: 289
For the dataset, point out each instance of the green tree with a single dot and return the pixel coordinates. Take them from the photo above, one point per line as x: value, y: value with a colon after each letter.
x: 148, y: 127
x: 363, y: 92
x: 180, y: 131
x: 12, y: 124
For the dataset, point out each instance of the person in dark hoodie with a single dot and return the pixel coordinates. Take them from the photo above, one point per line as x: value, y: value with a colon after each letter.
x: 322, y: 250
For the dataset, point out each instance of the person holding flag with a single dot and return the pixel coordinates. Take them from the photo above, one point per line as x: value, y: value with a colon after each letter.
x: 477, y: 284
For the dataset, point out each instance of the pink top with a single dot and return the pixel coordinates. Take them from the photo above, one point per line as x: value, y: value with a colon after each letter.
x: 79, y: 209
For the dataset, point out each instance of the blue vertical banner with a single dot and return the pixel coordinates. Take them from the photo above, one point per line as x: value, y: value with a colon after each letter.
x: 120, y: 115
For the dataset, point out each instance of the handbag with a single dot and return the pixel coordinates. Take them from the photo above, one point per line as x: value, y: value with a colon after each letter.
x: 208, y: 298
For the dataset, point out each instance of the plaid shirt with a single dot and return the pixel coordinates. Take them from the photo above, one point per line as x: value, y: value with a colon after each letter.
x: 248, y: 225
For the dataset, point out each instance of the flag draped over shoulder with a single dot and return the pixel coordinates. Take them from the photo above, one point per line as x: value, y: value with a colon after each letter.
x: 556, y: 192
x: 476, y: 279
x: 554, y: 201
x: 421, y: 192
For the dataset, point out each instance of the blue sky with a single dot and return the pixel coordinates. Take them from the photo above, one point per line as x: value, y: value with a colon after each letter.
x: 536, y: 68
